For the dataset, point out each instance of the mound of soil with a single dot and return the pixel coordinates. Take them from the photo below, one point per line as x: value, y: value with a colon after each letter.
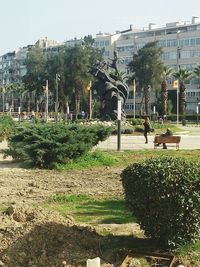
x: 35, y: 237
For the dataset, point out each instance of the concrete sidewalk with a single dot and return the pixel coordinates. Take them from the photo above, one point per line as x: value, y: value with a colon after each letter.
x: 129, y: 142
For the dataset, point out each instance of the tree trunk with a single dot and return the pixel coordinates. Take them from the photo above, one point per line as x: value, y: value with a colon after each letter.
x: 12, y: 102
x: 77, y: 100
x: 164, y: 97
x: 28, y: 104
x: 20, y: 102
x: 147, y: 100
x: 182, y: 99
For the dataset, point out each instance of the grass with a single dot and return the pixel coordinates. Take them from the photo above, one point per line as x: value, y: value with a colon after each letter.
x: 90, y: 210
x: 114, y: 158
x: 92, y: 159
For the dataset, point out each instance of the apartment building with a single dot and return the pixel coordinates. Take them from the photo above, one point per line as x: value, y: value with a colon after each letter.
x: 107, y: 43
x: 12, y: 64
x: 180, y: 42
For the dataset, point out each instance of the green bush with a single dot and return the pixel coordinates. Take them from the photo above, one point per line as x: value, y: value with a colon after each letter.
x: 6, y: 126
x: 164, y: 195
x: 139, y: 129
x: 124, y: 130
x: 135, y: 122
x: 44, y: 145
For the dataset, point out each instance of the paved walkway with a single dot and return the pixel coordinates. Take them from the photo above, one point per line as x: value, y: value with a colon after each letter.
x: 190, y: 139
x: 129, y: 142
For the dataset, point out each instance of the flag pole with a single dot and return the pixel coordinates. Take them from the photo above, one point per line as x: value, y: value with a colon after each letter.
x: 134, y: 88
x: 176, y: 86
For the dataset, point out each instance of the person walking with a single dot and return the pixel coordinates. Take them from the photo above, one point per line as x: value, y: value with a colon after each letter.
x: 147, y: 128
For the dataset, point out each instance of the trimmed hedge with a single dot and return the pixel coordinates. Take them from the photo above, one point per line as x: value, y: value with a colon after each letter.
x: 164, y: 195
x: 44, y: 145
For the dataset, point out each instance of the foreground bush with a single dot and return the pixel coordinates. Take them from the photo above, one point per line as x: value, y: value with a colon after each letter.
x: 164, y: 196
x: 44, y: 145
x: 6, y: 126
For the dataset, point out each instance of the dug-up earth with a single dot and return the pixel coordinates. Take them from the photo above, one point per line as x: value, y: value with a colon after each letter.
x: 32, y: 236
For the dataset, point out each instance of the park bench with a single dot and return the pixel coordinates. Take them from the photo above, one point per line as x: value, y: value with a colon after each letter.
x: 167, y: 139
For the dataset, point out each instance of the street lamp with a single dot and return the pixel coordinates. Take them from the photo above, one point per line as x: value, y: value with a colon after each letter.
x: 178, y: 51
x: 176, y: 86
x: 198, y: 113
x: 89, y: 86
x: 3, y: 95
x: 134, y: 90
x: 56, y: 103
x: 46, y: 92
x: 119, y: 117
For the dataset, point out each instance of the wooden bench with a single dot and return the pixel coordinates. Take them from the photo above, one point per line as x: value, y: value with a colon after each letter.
x: 167, y: 139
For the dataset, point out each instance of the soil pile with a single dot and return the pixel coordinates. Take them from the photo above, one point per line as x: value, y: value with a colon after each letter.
x: 36, y: 237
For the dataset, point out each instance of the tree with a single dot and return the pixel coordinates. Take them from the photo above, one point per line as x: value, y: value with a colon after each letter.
x: 76, y: 62
x: 167, y: 73
x: 147, y: 68
x: 36, y: 75
x: 197, y: 73
x: 182, y: 75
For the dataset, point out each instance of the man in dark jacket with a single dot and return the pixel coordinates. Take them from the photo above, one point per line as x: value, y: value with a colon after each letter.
x: 167, y: 133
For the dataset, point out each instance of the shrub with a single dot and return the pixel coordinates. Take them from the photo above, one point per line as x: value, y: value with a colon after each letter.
x: 6, y: 126
x: 124, y: 130
x: 135, y: 122
x: 164, y: 195
x: 139, y: 129
x: 44, y: 145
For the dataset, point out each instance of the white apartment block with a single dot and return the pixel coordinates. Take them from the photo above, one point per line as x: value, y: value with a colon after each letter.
x: 12, y: 64
x: 180, y: 42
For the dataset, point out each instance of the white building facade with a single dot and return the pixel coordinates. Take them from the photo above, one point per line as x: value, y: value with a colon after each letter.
x: 180, y: 42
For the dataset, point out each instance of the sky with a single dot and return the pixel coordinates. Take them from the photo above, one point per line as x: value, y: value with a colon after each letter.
x: 23, y: 22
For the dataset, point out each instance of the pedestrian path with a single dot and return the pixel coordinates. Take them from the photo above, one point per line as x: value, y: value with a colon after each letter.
x: 129, y: 142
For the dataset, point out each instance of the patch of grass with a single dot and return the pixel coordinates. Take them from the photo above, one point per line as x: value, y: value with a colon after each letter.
x: 132, y: 156
x: 86, y: 209
x: 114, y: 158
x: 3, y: 207
x: 183, y: 250
x: 190, y: 252
x: 92, y: 159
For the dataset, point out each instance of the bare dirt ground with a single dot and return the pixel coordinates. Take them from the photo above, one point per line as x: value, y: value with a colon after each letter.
x: 32, y: 236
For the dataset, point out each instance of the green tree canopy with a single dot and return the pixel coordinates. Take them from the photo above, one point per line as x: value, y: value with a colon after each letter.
x: 147, y: 67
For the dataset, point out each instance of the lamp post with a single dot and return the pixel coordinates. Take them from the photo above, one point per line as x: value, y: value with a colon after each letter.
x: 134, y: 89
x: 3, y: 97
x: 178, y: 51
x: 90, y: 99
x: 46, y: 100
x: 198, y: 113
x: 119, y: 117
x: 56, y: 103
x: 176, y: 86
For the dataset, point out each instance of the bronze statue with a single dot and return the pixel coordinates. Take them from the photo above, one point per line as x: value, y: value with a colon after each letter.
x: 110, y: 87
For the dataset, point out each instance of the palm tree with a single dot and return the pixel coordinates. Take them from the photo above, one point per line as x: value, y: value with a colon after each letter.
x: 167, y: 73
x: 2, y: 91
x: 12, y: 90
x: 197, y: 73
x: 182, y: 75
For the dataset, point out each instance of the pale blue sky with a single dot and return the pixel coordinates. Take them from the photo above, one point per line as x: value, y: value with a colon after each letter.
x: 23, y: 22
